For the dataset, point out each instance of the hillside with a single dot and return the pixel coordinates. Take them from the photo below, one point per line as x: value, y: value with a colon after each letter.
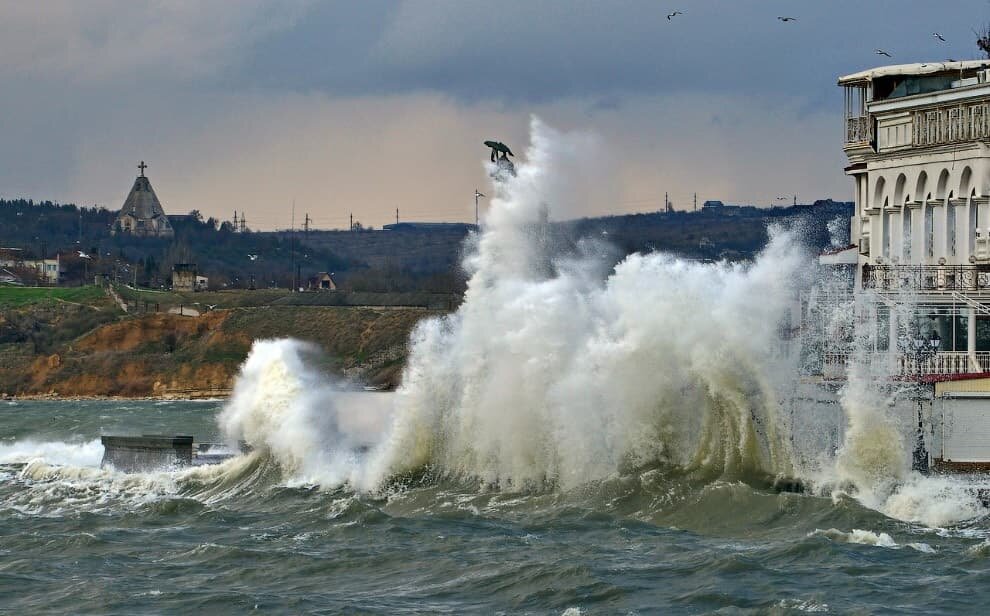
x: 406, y: 258
x: 51, y: 345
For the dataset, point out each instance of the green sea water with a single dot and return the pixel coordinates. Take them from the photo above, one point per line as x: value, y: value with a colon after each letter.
x: 240, y: 538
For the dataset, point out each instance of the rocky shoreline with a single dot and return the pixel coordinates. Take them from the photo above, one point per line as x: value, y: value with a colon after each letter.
x: 188, y: 396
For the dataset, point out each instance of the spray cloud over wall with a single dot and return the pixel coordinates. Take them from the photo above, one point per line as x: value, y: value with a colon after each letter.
x: 558, y: 374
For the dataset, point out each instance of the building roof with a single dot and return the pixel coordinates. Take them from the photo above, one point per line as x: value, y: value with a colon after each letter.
x: 142, y: 202
x: 912, y: 70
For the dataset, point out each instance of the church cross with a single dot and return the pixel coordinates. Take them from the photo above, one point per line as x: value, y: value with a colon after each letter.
x: 142, y: 167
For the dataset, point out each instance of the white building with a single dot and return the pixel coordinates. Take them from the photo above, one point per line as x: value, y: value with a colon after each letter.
x: 918, y: 141
x: 917, y: 137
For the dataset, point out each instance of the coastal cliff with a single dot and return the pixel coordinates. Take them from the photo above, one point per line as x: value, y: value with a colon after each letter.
x: 49, y: 349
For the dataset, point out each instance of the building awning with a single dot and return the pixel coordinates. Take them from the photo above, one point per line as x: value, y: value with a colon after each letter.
x: 842, y: 256
x: 912, y: 70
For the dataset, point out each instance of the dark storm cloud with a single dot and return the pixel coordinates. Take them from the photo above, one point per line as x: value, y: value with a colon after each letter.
x: 538, y: 51
x: 364, y: 106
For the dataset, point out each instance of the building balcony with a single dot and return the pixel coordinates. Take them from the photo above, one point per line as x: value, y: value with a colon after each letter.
x: 859, y: 129
x: 961, y: 278
x: 951, y: 124
x: 834, y: 365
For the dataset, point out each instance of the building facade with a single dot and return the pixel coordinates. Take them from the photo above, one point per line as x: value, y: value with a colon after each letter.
x: 46, y: 271
x: 185, y: 277
x: 917, y: 138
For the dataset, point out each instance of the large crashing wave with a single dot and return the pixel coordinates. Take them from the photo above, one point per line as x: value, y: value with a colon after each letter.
x: 286, y: 408
x: 554, y: 371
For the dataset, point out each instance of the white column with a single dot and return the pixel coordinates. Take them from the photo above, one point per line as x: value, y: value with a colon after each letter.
x: 974, y: 366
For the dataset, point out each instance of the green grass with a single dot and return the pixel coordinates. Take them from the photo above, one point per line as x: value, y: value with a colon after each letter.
x: 221, y: 299
x: 17, y: 297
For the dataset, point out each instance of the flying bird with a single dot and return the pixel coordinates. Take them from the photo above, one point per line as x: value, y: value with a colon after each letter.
x: 673, y: 15
x: 83, y: 255
x: 253, y: 257
x: 881, y: 52
x: 211, y: 306
x: 786, y: 19
x: 938, y: 36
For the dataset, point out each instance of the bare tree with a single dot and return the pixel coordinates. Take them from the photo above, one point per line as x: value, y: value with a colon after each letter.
x: 983, y: 39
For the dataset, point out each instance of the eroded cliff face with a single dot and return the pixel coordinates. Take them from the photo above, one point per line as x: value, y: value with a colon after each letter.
x: 164, y: 355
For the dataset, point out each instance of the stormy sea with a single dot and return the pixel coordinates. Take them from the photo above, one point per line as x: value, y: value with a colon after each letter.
x: 579, y: 437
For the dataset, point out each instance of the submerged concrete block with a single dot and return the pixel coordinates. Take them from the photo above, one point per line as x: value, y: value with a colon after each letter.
x: 136, y: 454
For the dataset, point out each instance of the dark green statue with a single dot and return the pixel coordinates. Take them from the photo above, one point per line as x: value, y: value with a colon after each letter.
x: 500, y: 156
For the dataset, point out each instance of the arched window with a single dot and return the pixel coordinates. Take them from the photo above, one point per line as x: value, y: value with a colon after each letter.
x: 943, y: 184
x: 965, y: 180
x: 899, y: 188
x: 974, y: 224
x: 878, y: 192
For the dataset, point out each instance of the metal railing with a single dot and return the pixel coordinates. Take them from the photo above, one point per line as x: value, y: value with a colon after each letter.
x: 951, y: 124
x: 859, y: 129
x: 905, y: 364
x: 926, y: 277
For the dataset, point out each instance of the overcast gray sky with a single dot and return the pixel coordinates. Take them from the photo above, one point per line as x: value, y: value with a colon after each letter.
x: 367, y: 106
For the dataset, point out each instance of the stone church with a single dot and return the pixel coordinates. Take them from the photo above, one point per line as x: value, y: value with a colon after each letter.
x: 142, y: 214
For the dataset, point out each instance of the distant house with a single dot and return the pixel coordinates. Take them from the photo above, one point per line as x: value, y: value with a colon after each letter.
x: 185, y: 278
x: 718, y: 208
x: 322, y: 282
x: 47, y: 271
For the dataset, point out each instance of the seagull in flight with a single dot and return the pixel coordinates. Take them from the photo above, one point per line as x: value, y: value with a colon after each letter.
x: 786, y: 19
x: 938, y: 36
x: 211, y: 306
x: 83, y: 255
x: 881, y: 52
x: 253, y: 257
x: 673, y: 15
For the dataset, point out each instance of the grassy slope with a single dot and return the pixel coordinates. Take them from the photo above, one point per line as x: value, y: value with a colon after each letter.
x: 220, y: 299
x: 19, y: 297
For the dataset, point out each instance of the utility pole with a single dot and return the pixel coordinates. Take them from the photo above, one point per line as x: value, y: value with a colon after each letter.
x: 235, y: 221
x: 352, y: 221
x: 396, y: 215
x: 695, y: 202
x: 795, y: 199
x: 243, y: 223
x: 292, y: 245
x: 666, y: 202
x: 79, y: 241
x: 306, y: 224
x: 477, y: 195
